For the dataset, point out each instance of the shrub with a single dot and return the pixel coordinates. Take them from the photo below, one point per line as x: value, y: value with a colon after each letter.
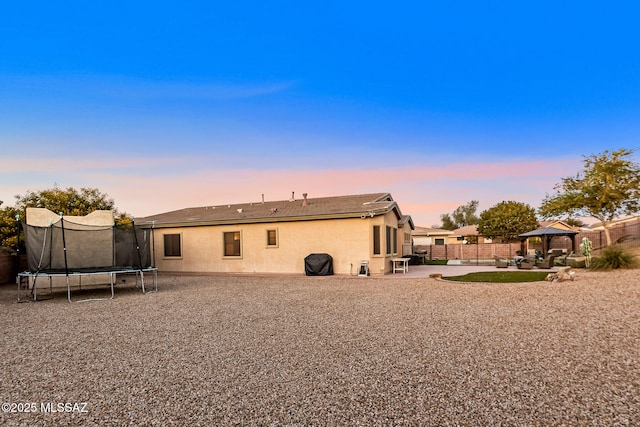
x: 613, y: 257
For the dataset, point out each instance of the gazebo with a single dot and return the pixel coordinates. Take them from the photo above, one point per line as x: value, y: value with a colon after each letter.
x: 547, y: 233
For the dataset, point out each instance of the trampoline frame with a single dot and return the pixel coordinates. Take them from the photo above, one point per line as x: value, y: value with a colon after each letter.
x: 31, y: 277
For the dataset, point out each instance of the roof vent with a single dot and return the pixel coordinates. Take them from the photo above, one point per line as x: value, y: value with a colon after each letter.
x: 240, y: 210
x: 305, y: 202
x: 292, y: 196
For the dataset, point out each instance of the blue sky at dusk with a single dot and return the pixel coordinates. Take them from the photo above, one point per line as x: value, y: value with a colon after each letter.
x: 166, y: 105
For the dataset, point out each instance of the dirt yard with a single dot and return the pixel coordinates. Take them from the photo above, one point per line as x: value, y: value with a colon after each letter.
x: 229, y: 350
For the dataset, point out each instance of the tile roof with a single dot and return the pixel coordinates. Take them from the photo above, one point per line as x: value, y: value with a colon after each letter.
x: 273, y: 211
x: 467, y: 230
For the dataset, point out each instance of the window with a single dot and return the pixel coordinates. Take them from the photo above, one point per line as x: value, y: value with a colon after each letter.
x: 376, y: 240
x: 232, y: 243
x: 272, y: 238
x: 439, y: 241
x: 395, y: 240
x: 388, y: 240
x: 172, y: 246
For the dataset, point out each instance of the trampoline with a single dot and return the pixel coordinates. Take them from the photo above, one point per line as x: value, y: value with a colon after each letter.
x: 77, y: 247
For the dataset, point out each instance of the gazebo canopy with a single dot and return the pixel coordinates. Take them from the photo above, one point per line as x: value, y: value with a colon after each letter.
x: 548, y: 233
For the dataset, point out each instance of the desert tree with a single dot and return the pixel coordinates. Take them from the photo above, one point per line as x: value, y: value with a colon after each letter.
x: 462, y: 216
x: 607, y: 187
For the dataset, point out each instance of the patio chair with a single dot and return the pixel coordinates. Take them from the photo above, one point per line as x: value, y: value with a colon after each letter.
x: 527, y: 262
x: 548, y: 262
x: 501, y: 263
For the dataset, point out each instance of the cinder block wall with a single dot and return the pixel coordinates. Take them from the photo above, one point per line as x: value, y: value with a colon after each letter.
x: 7, y: 269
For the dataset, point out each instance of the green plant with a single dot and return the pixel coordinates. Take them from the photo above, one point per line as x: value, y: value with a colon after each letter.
x: 436, y: 262
x: 613, y: 257
x: 506, y: 220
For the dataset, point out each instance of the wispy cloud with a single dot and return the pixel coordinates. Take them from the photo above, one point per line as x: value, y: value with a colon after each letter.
x: 184, y: 90
x: 142, y: 89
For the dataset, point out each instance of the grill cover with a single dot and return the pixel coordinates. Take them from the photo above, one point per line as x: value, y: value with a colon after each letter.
x: 318, y: 265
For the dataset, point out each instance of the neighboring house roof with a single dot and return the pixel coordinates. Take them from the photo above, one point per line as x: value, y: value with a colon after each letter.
x: 427, y: 231
x: 467, y: 230
x: 555, y: 224
x: 354, y: 206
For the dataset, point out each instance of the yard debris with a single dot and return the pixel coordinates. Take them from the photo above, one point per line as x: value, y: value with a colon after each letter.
x: 564, y: 273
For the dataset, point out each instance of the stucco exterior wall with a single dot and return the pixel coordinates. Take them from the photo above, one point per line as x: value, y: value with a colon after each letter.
x: 348, y: 241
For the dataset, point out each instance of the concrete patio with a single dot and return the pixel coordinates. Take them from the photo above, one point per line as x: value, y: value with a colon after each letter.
x: 455, y: 270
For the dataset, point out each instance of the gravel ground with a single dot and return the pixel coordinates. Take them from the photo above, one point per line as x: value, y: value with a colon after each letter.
x: 348, y: 351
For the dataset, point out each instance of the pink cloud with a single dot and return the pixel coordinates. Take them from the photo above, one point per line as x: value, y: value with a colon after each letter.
x: 147, y: 186
x: 423, y: 192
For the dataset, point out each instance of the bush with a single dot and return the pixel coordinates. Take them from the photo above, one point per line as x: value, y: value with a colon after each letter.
x: 613, y: 257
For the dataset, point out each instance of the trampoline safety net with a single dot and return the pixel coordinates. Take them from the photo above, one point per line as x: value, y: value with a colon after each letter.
x: 66, y: 246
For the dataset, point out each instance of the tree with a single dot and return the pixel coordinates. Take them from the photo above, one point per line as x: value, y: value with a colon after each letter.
x: 68, y: 202
x: 608, y: 187
x: 462, y: 216
x: 9, y: 227
x: 506, y: 220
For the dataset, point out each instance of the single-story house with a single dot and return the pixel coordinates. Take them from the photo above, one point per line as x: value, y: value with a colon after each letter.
x: 276, y: 236
x: 426, y: 236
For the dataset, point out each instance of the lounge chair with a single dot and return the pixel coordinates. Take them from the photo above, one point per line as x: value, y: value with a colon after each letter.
x: 548, y: 262
x: 562, y: 260
x: 501, y: 263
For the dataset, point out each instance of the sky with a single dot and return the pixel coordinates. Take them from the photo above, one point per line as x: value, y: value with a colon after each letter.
x: 165, y: 105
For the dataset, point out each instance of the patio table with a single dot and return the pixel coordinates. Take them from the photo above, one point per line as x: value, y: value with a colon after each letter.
x: 400, y: 264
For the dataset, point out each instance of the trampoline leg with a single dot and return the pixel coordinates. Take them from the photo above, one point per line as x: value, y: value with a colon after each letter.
x: 19, y: 283
x: 112, y: 279
x: 155, y: 282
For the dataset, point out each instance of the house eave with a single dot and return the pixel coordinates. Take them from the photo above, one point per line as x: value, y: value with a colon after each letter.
x: 262, y: 220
